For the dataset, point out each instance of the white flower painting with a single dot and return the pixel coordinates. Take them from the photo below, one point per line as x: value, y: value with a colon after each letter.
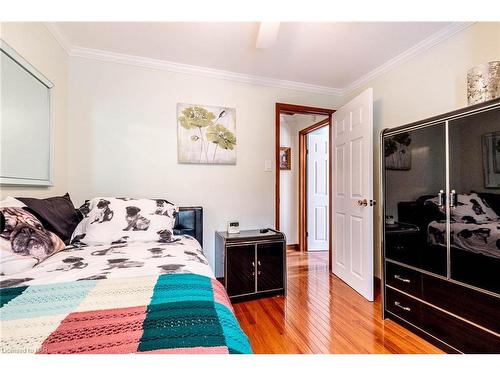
x: 206, y: 134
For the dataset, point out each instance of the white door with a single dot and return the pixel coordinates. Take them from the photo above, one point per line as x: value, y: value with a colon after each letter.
x: 317, y: 190
x: 352, y: 179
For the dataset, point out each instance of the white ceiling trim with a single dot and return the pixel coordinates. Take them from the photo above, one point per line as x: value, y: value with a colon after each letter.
x: 146, y: 62
x: 157, y: 64
x: 58, y: 36
x: 417, y: 49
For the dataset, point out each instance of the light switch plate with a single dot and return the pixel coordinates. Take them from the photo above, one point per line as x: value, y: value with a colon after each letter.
x: 268, y: 166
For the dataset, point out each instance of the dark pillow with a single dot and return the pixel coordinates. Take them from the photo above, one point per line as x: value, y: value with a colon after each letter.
x: 57, y: 214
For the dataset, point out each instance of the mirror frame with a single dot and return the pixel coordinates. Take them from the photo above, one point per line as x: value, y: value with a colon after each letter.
x: 30, y: 69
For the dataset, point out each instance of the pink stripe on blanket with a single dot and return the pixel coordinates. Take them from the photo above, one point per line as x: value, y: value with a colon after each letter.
x: 195, y: 350
x: 220, y: 294
x: 102, y: 331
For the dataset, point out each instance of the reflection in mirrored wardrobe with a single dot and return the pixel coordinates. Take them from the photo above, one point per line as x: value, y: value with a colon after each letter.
x: 475, y: 209
x: 441, y: 231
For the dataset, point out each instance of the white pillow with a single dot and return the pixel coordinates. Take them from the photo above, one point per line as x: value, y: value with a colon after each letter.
x: 471, y: 208
x: 11, y: 202
x: 24, y: 242
x: 109, y: 219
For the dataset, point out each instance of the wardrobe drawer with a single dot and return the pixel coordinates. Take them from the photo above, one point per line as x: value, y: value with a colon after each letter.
x: 461, y: 335
x: 404, y: 279
x: 478, y: 307
x: 403, y: 306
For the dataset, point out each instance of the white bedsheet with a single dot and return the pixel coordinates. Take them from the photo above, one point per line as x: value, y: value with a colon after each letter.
x: 483, y: 238
x: 116, y: 261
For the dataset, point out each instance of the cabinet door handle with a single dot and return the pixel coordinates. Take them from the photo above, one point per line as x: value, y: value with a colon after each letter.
x: 258, y: 262
x: 398, y: 277
x: 253, y: 264
x: 405, y: 308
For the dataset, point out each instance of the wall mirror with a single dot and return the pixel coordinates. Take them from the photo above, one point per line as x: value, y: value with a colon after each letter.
x: 25, y: 127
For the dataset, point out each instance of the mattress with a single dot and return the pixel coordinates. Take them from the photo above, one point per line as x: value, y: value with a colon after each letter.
x: 121, y: 298
x: 483, y: 238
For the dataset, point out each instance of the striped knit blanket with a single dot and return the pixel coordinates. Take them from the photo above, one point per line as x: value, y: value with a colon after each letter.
x: 177, y: 313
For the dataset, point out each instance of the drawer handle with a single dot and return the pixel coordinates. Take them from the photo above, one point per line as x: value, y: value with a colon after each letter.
x: 397, y: 277
x: 405, y: 308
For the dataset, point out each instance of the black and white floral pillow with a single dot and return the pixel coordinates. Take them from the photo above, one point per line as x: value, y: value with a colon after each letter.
x: 470, y: 209
x: 117, y: 220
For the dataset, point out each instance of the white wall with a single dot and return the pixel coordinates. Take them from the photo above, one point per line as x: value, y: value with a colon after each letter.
x: 431, y: 83
x: 34, y: 43
x: 123, y: 141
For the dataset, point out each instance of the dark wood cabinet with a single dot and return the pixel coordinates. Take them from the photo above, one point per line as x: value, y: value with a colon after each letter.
x: 270, y: 266
x: 254, y: 263
x: 240, y: 274
x: 441, y: 263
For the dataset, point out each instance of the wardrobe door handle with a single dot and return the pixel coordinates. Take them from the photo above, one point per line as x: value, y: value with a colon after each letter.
x: 453, y: 199
x: 398, y: 277
x: 441, y: 198
x: 405, y: 308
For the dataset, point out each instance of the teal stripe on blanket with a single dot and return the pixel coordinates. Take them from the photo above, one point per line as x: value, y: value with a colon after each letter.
x: 43, y: 300
x: 236, y: 342
x: 182, y: 287
x: 6, y: 295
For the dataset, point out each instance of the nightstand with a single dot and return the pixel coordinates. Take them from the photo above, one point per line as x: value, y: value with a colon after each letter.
x: 254, y: 263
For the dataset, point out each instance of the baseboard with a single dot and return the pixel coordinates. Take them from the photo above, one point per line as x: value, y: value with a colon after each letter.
x: 294, y: 247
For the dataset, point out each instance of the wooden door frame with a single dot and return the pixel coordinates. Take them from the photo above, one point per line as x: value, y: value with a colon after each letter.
x: 303, y: 180
x: 292, y: 108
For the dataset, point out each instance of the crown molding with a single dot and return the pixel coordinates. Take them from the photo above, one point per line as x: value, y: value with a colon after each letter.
x: 150, y: 63
x: 146, y: 62
x: 417, y: 49
x: 58, y: 36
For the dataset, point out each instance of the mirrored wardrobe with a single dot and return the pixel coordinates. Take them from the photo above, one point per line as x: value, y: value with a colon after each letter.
x: 441, y: 229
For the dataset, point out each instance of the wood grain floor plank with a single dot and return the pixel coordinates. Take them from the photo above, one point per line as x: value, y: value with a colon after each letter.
x: 321, y: 314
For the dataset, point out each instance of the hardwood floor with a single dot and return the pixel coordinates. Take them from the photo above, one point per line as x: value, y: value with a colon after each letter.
x: 321, y: 314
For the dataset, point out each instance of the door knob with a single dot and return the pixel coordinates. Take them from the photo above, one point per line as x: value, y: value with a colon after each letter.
x: 362, y: 202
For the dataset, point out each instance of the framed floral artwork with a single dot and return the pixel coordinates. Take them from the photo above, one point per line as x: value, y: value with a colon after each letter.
x: 206, y: 134
x: 491, y: 160
x: 398, y: 152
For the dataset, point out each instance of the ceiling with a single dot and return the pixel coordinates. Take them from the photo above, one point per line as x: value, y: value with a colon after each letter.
x: 325, y: 54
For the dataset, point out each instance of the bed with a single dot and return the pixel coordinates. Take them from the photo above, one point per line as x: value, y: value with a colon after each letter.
x: 135, y: 297
x: 474, y: 256
x: 483, y: 238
